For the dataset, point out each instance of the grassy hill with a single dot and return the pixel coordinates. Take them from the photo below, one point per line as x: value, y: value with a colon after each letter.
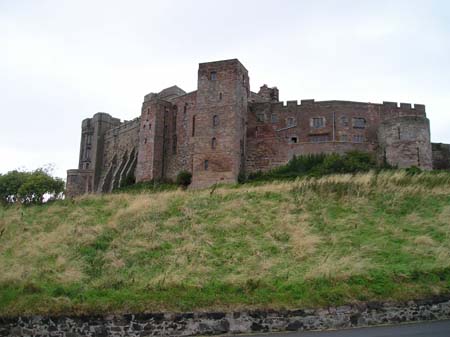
x: 303, y: 243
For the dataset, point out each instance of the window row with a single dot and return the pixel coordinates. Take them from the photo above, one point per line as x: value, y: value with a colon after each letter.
x: 315, y: 122
x: 342, y: 138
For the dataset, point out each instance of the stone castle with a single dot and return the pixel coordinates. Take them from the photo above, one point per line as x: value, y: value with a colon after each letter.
x: 223, y: 129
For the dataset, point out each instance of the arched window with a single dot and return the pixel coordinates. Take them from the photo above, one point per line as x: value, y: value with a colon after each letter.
x: 213, y: 143
x: 215, y: 120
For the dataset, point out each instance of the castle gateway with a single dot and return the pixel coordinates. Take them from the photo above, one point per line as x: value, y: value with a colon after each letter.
x: 223, y: 129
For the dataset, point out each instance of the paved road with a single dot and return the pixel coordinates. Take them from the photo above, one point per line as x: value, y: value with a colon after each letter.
x: 431, y: 329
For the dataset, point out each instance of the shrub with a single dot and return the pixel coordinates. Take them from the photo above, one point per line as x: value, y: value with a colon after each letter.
x: 318, y: 165
x: 184, y: 178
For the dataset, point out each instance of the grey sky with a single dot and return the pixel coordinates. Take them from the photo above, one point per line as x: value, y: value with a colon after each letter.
x: 62, y: 61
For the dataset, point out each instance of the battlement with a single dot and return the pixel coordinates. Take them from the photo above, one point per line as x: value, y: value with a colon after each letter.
x: 125, y: 126
x: 404, y: 106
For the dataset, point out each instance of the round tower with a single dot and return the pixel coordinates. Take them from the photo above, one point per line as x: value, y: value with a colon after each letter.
x: 405, y: 141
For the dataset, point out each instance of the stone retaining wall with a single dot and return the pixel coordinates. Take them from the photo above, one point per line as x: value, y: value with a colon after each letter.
x: 209, y: 323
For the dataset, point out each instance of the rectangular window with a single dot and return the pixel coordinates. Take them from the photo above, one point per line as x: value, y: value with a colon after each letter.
x: 343, y: 138
x: 260, y: 117
x: 358, y: 138
x: 213, y: 75
x: 290, y: 121
x: 206, y: 165
x: 274, y: 118
x: 193, y: 126
x: 319, y: 138
x: 293, y: 140
x: 359, y: 123
x: 318, y: 122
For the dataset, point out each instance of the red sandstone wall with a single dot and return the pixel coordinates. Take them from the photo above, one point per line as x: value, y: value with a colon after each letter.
x: 179, y: 157
x: 225, y: 96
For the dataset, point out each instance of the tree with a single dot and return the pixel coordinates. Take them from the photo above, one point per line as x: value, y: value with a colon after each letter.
x: 10, y: 184
x: 29, y: 187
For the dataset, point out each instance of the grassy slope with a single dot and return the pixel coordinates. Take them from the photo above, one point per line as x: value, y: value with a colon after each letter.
x: 308, y: 243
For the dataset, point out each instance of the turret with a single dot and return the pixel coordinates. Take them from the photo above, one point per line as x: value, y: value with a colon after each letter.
x: 404, y: 136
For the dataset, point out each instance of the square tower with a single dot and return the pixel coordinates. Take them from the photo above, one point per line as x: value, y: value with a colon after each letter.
x: 219, y: 123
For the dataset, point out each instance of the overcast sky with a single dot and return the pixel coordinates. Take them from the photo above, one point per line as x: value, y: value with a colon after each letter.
x: 62, y: 61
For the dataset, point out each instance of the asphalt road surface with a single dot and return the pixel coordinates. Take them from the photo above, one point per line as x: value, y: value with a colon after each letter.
x: 431, y: 329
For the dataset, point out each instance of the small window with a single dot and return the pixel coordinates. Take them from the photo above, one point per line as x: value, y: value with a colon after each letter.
x: 293, y: 140
x: 215, y: 120
x: 185, y: 108
x: 89, y: 140
x: 318, y: 138
x: 86, y: 166
x: 213, y: 75
x: 291, y: 121
x: 358, y: 138
x: 145, y: 140
x: 193, y: 126
x: 260, y: 116
x: 150, y: 126
x: 318, y: 122
x: 359, y: 123
x: 343, y: 138
x: 220, y: 96
x: 206, y: 165
x: 274, y: 118
x: 213, y: 143
x: 344, y: 121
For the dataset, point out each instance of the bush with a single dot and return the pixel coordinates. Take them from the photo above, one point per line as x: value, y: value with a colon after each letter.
x: 184, y: 178
x: 318, y: 165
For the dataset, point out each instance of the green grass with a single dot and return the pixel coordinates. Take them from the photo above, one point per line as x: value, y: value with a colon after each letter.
x: 311, y: 242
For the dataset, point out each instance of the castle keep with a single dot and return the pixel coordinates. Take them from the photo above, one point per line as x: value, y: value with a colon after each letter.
x: 223, y: 129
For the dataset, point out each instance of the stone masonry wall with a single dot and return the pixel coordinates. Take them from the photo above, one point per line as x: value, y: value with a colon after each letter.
x: 441, y: 156
x: 405, y: 141
x: 120, y: 150
x: 277, y: 131
x: 178, y: 154
x: 218, y: 141
x: 210, y: 323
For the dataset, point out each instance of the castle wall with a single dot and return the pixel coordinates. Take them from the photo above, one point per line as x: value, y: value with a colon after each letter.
x: 79, y: 182
x: 178, y: 154
x: 405, y: 141
x: 276, y: 131
x: 119, y: 154
x: 441, y: 156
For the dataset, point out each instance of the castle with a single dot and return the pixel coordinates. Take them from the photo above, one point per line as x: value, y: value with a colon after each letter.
x: 223, y: 129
